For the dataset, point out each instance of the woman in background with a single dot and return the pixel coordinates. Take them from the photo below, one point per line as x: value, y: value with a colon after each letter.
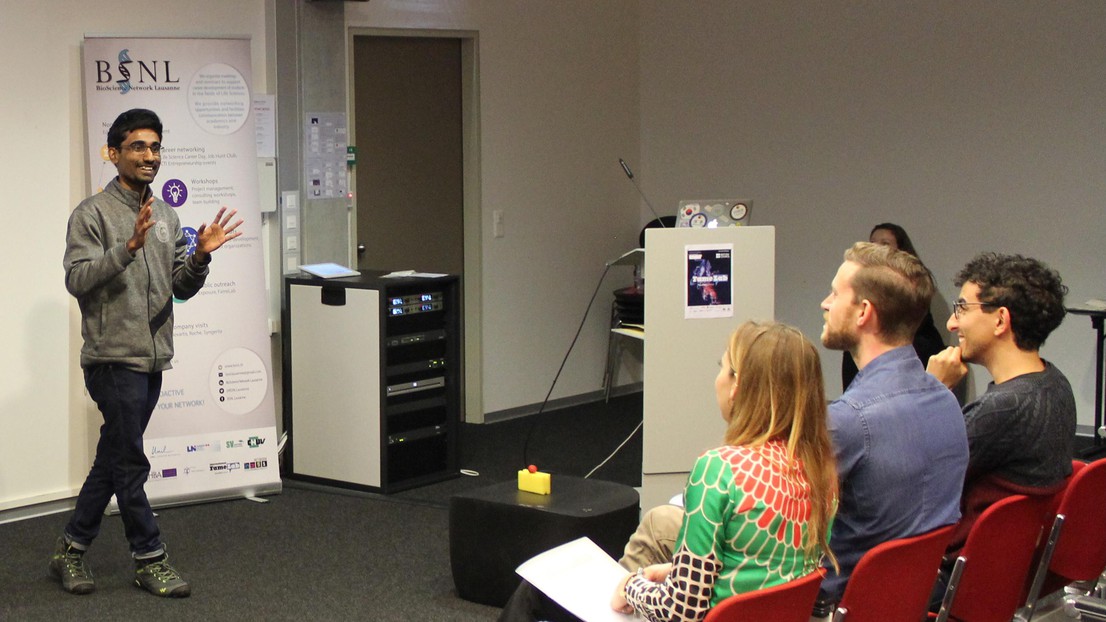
x: 758, y: 508
x: 927, y: 339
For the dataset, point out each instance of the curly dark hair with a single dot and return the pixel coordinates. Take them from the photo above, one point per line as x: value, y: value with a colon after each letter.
x: 1033, y: 292
x: 131, y: 120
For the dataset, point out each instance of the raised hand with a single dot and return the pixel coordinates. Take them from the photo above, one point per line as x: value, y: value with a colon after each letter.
x: 210, y: 237
x: 142, y: 224
x: 947, y: 367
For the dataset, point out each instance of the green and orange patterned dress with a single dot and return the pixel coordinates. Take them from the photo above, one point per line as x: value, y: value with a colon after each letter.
x: 745, y: 512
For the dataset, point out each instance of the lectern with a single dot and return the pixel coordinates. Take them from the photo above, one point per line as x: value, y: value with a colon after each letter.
x: 681, y: 417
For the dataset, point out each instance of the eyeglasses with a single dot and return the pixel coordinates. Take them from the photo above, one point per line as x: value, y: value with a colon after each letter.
x: 140, y: 147
x: 961, y: 306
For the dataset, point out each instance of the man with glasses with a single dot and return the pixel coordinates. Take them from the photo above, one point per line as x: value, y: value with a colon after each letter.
x: 898, y: 434
x: 1021, y: 431
x: 126, y: 258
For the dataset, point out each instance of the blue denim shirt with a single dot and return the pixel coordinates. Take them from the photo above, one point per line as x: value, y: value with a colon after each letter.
x: 901, y: 453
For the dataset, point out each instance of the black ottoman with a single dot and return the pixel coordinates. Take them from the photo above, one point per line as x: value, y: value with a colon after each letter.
x: 493, y: 530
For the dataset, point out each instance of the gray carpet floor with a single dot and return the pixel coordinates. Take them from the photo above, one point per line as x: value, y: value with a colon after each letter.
x: 305, y: 555
x: 313, y: 553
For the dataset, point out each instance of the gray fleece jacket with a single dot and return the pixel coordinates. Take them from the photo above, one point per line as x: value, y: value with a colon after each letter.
x: 127, y: 302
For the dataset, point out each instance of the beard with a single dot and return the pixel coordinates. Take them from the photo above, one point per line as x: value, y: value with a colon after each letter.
x: 838, y: 339
x: 968, y: 354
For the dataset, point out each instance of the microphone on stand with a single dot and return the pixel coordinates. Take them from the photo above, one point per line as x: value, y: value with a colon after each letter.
x: 626, y: 168
x: 630, y: 176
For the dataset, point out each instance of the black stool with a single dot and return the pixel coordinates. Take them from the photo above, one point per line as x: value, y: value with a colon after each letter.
x: 493, y: 530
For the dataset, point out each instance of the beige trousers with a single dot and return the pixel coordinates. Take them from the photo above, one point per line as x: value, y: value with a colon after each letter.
x: 654, y: 542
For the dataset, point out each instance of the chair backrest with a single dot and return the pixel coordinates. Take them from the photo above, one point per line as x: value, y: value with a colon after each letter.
x: 1050, y: 511
x: 1052, y: 524
x: 990, y: 573
x: 1080, y: 553
x: 893, y: 580
x: 790, y: 602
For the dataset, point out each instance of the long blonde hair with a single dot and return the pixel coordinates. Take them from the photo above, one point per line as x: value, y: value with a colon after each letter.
x: 780, y: 395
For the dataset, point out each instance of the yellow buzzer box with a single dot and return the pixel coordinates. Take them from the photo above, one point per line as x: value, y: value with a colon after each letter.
x: 533, y: 481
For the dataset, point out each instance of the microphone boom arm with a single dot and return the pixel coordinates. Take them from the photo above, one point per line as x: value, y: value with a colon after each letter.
x: 630, y: 176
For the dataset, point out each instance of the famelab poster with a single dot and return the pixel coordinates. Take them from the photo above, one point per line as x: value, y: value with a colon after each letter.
x: 709, y: 289
x: 213, y: 433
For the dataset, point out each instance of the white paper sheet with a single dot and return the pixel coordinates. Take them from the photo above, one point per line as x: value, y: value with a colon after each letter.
x: 580, y: 577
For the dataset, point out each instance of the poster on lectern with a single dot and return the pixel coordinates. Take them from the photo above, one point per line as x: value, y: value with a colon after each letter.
x: 213, y: 433
x: 709, y: 272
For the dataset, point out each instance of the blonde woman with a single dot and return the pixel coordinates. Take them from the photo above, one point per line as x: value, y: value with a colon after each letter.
x: 758, y: 508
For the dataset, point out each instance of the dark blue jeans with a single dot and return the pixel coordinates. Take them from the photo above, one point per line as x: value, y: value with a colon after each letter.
x: 126, y: 400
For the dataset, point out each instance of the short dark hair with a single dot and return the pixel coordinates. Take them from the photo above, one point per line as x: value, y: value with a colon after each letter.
x: 897, y: 283
x: 131, y: 120
x: 1031, y: 290
x: 902, y: 240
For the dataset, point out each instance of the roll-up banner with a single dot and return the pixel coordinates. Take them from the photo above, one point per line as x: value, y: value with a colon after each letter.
x: 213, y: 434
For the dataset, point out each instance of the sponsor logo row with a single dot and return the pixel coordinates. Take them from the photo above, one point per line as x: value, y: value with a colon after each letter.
x: 161, y: 451
x: 213, y: 467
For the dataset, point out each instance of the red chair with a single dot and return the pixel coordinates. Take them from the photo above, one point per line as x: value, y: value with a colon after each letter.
x: 1050, y: 524
x: 989, y: 576
x: 893, y: 580
x: 790, y: 602
x: 1076, y: 548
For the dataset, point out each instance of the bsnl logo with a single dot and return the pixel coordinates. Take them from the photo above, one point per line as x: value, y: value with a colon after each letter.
x: 153, y: 71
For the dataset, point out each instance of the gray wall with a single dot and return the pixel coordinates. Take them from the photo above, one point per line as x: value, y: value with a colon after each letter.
x: 976, y: 125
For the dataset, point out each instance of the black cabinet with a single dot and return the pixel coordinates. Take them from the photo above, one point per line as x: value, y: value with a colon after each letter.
x: 372, y: 380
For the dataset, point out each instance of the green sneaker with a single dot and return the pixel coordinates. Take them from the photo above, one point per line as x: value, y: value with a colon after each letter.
x: 160, y: 579
x: 68, y: 565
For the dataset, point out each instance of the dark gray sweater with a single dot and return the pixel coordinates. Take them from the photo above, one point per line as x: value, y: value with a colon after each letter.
x: 127, y: 302
x: 1023, y: 430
